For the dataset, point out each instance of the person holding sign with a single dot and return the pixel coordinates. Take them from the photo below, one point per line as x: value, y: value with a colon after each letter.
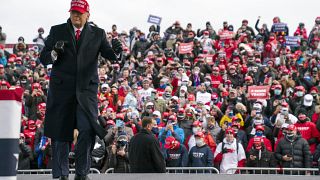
x: 280, y: 29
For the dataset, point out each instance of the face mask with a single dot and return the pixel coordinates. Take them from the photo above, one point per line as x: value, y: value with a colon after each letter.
x: 258, y: 121
x: 195, y: 130
x: 184, y: 83
x: 277, y: 91
x: 163, y: 86
x: 158, y: 120
x: 23, y: 81
x: 167, y: 94
x: 206, y: 37
x: 211, y: 126
x: 122, y: 143
x: 155, y: 130
x: 259, y: 133
x: 207, y: 83
x: 149, y: 110
x: 299, y: 93
x: 290, y: 136
x: 199, y: 142
x: 231, y: 114
x: 284, y: 111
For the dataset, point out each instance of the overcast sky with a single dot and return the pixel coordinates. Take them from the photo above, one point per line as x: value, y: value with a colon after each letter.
x: 24, y: 17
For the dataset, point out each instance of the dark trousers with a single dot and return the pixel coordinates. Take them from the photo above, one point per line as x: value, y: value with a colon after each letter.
x: 83, y: 149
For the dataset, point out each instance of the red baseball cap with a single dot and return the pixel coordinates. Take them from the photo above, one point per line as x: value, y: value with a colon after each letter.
x: 197, y: 123
x: 200, y: 134
x: 81, y: 6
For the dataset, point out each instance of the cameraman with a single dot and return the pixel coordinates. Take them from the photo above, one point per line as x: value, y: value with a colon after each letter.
x: 32, y: 101
x: 118, y: 156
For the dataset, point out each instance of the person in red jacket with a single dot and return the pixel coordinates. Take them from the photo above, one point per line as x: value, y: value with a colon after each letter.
x: 216, y: 78
x: 307, y: 130
x: 259, y: 133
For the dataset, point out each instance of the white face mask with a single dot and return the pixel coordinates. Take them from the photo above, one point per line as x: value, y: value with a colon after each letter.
x: 195, y: 130
x: 199, y: 142
x: 284, y: 111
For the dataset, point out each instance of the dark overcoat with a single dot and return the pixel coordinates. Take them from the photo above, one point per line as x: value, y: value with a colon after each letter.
x: 74, y: 78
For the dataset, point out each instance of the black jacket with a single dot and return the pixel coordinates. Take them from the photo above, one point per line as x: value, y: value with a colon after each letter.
x: 298, y: 149
x: 145, y: 155
x: 74, y: 78
x: 266, y: 159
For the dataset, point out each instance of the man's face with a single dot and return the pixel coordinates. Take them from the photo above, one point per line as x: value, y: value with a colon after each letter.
x: 78, y: 19
x: 229, y: 137
x: 145, y: 85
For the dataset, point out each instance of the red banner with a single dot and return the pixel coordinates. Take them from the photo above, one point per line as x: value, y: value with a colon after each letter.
x: 185, y: 48
x: 225, y: 35
x: 258, y: 92
x: 208, y: 58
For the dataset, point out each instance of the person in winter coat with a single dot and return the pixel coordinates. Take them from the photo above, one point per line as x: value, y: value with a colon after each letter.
x: 200, y: 155
x: 263, y: 32
x: 229, y: 153
x: 259, y: 156
x: 293, y: 151
x: 32, y: 101
x: 118, y: 156
x: 307, y: 130
x: 176, y: 154
x: 145, y: 155
x: 25, y: 154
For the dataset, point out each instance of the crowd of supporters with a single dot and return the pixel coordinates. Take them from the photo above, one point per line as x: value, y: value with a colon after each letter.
x: 204, y: 115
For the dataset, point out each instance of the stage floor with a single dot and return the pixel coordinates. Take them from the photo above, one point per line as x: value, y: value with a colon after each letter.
x: 175, y: 176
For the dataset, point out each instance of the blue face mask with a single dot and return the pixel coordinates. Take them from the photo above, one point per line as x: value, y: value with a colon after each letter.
x: 231, y: 114
x: 158, y: 120
x: 277, y: 91
x: 163, y: 86
x: 259, y: 133
x: 155, y: 130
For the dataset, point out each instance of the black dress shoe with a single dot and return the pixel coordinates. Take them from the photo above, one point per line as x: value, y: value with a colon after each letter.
x: 63, y: 178
x: 76, y: 177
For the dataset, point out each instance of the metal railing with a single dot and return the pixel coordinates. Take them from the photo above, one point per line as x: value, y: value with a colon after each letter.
x: 183, y: 170
x: 192, y: 170
x: 49, y: 171
x: 278, y: 171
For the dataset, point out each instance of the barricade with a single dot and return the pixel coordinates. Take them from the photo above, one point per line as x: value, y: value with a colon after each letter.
x: 183, y: 170
x: 49, y: 171
x: 278, y: 171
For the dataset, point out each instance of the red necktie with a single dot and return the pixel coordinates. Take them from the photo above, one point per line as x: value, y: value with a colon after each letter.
x: 78, y: 34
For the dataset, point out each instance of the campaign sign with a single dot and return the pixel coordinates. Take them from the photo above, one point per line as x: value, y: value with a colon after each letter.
x: 225, y: 35
x: 279, y: 27
x: 258, y: 92
x: 185, y: 48
x: 154, y: 20
x: 292, y: 41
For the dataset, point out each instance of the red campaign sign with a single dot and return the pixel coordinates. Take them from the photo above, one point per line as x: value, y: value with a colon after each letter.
x: 225, y: 35
x: 208, y: 58
x: 258, y: 92
x: 185, y: 48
